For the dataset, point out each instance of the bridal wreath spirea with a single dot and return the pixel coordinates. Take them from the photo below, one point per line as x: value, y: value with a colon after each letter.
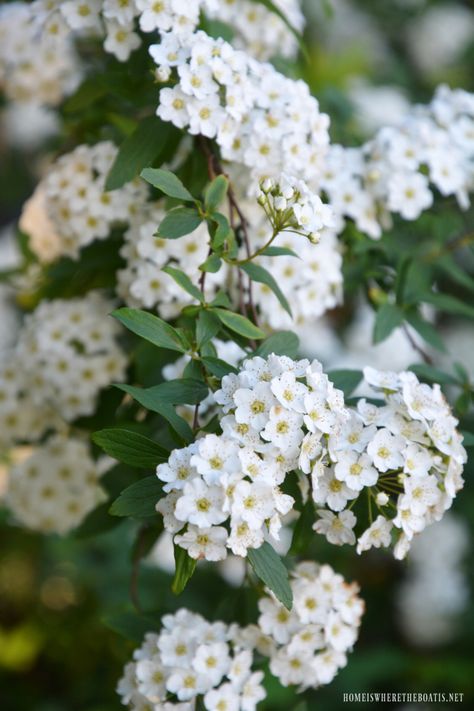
x: 192, y: 657
x: 55, y: 487
x: 386, y: 470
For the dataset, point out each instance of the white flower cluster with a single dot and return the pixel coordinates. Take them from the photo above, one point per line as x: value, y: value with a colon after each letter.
x: 55, y: 487
x: 396, y: 171
x: 191, y: 657
x: 262, y: 33
x: 436, y: 591
x: 259, y: 118
x: 76, y: 202
x: 142, y: 283
x: 309, y: 645
x: 65, y: 354
x: 276, y: 411
x: 37, y: 65
x: 405, y: 452
x: 290, y: 205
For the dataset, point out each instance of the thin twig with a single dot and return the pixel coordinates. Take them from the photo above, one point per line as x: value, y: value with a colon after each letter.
x: 425, y: 357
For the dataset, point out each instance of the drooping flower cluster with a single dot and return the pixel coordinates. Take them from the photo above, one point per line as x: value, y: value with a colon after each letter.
x: 285, y: 418
x: 259, y: 118
x: 191, y: 657
x: 37, y: 64
x: 435, y: 592
x: 54, y: 488
x: 309, y: 645
x: 270, y: 428
x: 406, y: 453
x: 75, y: 198
x: 395, y: 172
x: 65, y: 354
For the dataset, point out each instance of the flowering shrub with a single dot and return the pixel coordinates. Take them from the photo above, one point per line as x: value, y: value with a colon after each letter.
x: 193, y: 219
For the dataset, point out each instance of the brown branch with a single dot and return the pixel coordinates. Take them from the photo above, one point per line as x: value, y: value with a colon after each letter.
x: 424, y: 356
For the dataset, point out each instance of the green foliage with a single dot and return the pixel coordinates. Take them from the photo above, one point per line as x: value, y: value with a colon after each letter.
x: 239, y: 324
x: 179, y: 222
x: 281, y: 343
x: 346, y: 380
x: 388, y: 318
x: 152, y: 328
x: 139, y: 499
x: 184, y: 282
x: 259, y: 274
x: 130, y: 447
x: 167, y: 182
x: 269, y: 567
x: 184, y: 569
x: 215, y: 193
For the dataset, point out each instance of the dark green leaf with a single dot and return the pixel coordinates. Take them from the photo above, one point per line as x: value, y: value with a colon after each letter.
x: 239, y: 324
x: 96, y: 522
x: 130, y: 447
x: 184, y: 569
x: 139, y: 150
x: 151, y: 328
x: 455, y: 272
x: 218, y: 367
x: 89, y: 91
x: 259, y: 274
x: 179, y: 222
x: 167, y: 182
x: 463, y: 403
x: 282, y: 343
x: 468, y: 439
x: 426, y: 331
x: 279, y: 252
x: 269, y: 567
x: 130, y: 625
x: 345, y: 380
x: 303, y: 532
x: 184, y: 282
x: 221, y: 299
x: 139, y: 499
x: 433, y: 375
x: 207, y: 327
x: 154, y: 400
x: 387, y: 319
x: 220, y: 230
x: 212, y: 264
x: 215, y: 193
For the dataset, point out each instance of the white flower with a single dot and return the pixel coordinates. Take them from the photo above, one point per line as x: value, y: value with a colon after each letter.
x: 186, y: 684
x: 386, y: 450
x: 253, y: 406
x: 212, y: 661
x: 409, y: 195
x: 333, y: 492
x: 336, y: 527
x: 421, y: 492
x: 214, y: 457
x: 225, y: 698
x: 276, y: 620
x: 253, y: 503
x: 252, y: 692
x: 338, y: 634
x: 208, y: 543
x: 377, y: 535
x: 284, y: 429
x: 289, y: 392
x: 355, y: 470
x: 243, y: 537
x: 178, y: 469
x: 200, y: 504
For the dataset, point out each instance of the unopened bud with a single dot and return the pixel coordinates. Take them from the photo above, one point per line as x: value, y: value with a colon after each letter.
x: 381, y: 499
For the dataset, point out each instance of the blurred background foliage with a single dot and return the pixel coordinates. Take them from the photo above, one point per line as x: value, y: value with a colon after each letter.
x: 65, y: 601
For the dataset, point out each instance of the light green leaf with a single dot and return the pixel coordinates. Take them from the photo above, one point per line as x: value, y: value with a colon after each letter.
x: 139, y: 499
x: 215, y: 193
x: 184, y: 282
x: 269, y: 567
x: 152, y: 329
x: 184, y: 569
x: 140, y: 149
x: 130, y: 447
x: 239, y: 324
x: 387, y: 319
x: 179, y: 222
x: 212, y: 264
x: 259, y: 274
x: 279, y: 252
x: 167, y: 182
x: 281, y: 343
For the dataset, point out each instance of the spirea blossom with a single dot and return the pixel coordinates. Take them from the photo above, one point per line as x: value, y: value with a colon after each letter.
x: 310, y: 644
x: 54, y: 488
x: 189, y: 658
x: 76, y: 202
x: 65, y: 355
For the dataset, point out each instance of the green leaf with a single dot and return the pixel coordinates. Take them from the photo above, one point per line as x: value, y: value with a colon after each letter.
x: 345, y: 380
x: 433, y: 375
x: 239, y: 324
x: 448, y: 304
x: 152, y: 399
x: 184, y: 282
x: 179, y: 222
x: 167, y: 182
x: 130, y: 447
x: 281, y: 343
x: 218, y: 367
x: 139, y: 499
x: 184, y: 569
x: 96, y: 522
x: 131, y: 626
x: 212, y: 264
x: 215, y: 193
x: 138, y: 150
x: 269, y: 567
x: 426, y: 331
x: 152, y: 329
x: 303, y: 532
x: 259, y: 274
x: 207, y: 327
x: 468, y: 440
x: 220, y: 230
x: 387, y: 319
x: 89, y: 91
x: 221, y: 299
x: 279, y: 252
x: 457, y: 274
